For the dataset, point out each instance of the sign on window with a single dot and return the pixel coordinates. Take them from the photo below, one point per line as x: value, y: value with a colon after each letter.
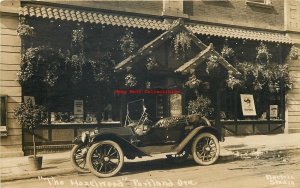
x: 78, y: 107
x: 273, y: 111
x: 175, y: 105
x: 248, y: 106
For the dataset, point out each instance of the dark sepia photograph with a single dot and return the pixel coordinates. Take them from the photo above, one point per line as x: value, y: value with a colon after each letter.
x: 150, y: 93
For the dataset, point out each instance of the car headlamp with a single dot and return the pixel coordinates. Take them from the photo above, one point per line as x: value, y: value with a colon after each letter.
x: 92, y: 133
x: 84, y: 136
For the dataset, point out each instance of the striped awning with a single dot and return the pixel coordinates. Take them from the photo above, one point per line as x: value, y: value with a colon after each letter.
x: 130, y: 21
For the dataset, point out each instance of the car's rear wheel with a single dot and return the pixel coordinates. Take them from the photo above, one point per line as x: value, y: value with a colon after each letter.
x: 178, y: 158
x: 105, y: 159
x: 205, y: 149
x: 78, y: 157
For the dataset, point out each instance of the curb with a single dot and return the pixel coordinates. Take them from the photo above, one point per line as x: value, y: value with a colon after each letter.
x: 37, y: 174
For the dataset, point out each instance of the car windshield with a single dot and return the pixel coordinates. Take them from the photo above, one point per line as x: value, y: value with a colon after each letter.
x: 135, y: 109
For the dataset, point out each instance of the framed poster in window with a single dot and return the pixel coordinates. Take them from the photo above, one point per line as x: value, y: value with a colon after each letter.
x: 248, y: 106
x: 78, y: 108
x: 175, y: 105
x: 159, y: 106
x: 273, y: 111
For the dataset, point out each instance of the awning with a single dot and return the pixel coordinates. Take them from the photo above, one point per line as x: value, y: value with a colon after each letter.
x: 114, y: 19
x: 93, y: 17
x: 239, y: 33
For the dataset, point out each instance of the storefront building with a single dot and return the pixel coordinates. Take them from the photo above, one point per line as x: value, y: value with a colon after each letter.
x: 235, y: 62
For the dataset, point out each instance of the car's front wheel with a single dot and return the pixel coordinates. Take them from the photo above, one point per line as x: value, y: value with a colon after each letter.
x: 78, y: 157
x: 205, y: 149
x: 105, y: 159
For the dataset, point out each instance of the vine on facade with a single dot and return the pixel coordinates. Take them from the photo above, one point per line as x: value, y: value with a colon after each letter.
x: 294, y: 53
x: 25, y: 30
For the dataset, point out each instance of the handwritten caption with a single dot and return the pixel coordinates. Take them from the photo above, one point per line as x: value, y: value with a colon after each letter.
x: 52, y: 181
x: 281, y: 180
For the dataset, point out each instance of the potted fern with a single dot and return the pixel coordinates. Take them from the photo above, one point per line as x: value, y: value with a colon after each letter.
x: 29, y: 116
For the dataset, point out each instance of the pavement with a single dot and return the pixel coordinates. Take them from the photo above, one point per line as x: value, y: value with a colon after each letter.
x: 234, y: 148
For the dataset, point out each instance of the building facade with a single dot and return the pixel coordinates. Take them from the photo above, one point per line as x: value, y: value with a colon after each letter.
x: 120, y: 37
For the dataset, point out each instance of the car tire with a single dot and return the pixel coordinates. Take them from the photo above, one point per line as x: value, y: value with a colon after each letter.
x: 100, y: 156
x: 205, y: 149
x: 78, y: 158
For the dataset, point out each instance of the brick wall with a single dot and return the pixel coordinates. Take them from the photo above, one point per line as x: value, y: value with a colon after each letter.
x: 223, y: 12
x: 141, y: 7
x: 238, y: 13
x: 10, y: 57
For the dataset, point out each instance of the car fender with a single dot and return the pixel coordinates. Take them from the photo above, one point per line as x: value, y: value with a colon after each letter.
x: 128, y: 148
x: 196, y: 131
x: 77, y: 140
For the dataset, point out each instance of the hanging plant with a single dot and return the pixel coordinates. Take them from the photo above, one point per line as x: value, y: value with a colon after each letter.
x: 227, y: 52
x: 25, y: 30
x: 151, y: 63
x: 41, y: 65
x: 74, y: 66
x: 233, y: 82
x: 182, y: 45
x: 103, y: 69
x: 128, y: 44
x: 293, y: 53
x: 263, y: 54
x: 193, y: 82
x: 130, y: 80
x: 264, y: 76
x: 202, y: 106
x: 78, y: 36
x: 212, y: 63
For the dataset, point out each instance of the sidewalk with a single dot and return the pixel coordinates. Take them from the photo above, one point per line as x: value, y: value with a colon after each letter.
x: 59, y: 163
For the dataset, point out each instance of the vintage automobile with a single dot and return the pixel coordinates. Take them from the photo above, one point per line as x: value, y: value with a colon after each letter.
x: 104, y: 149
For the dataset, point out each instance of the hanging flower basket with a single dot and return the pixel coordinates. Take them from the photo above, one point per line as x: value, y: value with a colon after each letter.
x: 233, y: 82
x: 212, y: 63
x: 227, y: 52
x: 193, y: 82
x: 151, y: 63
x: 103, y: 69
x: 182, y: 45
x: 128, y: 44
x: 263, y: 55
x: 78, y: 36
x: 130, y: 80
x: 41, y: 65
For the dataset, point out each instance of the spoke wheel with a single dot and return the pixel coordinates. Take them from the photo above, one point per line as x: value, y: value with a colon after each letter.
x: 105, y: 159
x: 78, y: 157
x: 178, y: 158
x: 205, y: 149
